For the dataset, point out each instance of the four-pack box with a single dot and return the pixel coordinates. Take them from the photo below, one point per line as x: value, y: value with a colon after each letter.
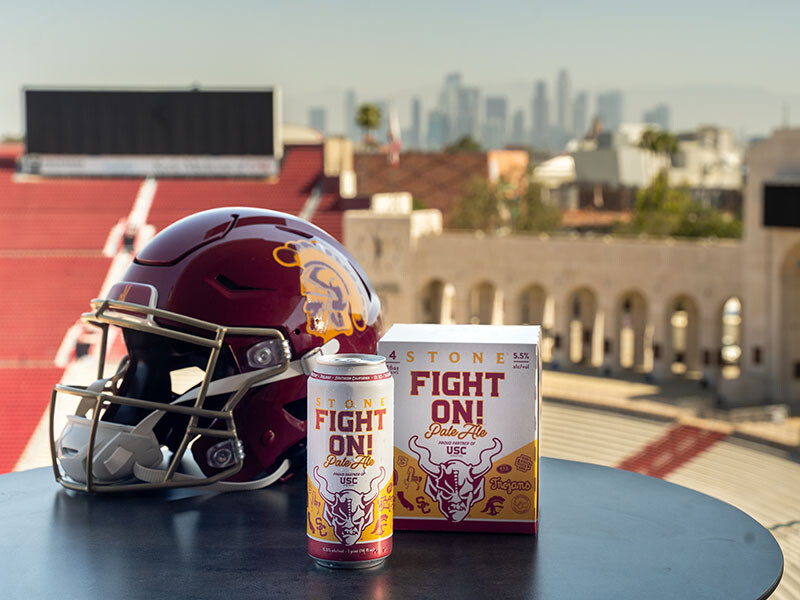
x: 467, y: 403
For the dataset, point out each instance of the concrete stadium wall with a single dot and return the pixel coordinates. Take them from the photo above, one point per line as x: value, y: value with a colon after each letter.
x: 582, y: 284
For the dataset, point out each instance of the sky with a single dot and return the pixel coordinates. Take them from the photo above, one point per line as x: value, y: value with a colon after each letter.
x: 732, y: 62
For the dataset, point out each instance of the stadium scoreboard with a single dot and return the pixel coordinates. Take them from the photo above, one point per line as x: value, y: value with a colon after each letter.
x: 152, y: 132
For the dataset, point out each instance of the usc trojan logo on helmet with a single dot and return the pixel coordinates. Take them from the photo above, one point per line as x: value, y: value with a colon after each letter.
x: 335, y: 303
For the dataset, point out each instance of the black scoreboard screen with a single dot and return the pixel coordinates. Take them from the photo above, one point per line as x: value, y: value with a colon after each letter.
x: 781, y: 205
x: 186, y: 122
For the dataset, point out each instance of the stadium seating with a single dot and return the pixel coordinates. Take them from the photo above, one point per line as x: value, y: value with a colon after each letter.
x: 62, y: 214
x: 47, y: 293
x: 52, y: 235
x: 26, y: 395
x: 301, y: 169
x: 9, y: 153
x: 332, y: 222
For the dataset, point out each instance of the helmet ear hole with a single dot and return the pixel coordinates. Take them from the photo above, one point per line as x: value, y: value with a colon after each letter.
x: 297, y: 408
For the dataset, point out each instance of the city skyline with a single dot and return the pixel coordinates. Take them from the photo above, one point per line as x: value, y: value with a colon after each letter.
x: 467, y: 111
x: 731, y: 106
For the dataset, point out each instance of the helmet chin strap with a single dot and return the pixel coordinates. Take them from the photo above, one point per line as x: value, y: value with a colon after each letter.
x: 80, y: 427
x: 152, y: 475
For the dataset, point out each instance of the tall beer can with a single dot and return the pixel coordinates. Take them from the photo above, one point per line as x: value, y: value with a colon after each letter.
x: 350, y: 461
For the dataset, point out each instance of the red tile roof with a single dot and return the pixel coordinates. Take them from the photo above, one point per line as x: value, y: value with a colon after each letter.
x: 593, y: 218
x: 437, y: 180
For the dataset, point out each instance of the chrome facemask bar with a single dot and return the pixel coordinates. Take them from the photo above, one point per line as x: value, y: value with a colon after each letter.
x: 140, y: 318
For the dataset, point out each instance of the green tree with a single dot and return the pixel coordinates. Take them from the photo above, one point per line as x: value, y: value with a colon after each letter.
x: 368, y: 118
x: 464, y: 144
x: 662, y: 210
x: 478, y: 208
x: 533, y: 215
x: 702, y: 221
x: 489, y: 206
x: 660, y: 141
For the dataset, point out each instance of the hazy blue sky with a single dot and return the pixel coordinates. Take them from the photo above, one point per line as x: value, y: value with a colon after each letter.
x: 744, y: 55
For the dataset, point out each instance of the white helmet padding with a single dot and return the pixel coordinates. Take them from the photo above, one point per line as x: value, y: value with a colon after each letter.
x: 117, y: 448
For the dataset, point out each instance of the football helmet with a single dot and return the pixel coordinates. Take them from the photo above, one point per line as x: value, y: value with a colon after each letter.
x: 247, y: 299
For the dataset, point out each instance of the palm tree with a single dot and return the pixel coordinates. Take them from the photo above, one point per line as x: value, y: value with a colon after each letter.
x: 368, y: 117
x: 659, y: 141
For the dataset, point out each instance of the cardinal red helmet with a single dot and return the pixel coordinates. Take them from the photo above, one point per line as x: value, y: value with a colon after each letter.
x: 250, y: 297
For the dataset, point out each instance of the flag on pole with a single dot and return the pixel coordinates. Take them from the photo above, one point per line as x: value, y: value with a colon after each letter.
x: 395, y: 142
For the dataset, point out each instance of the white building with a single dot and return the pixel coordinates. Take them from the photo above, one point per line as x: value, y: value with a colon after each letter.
x: 707, y: 158
x: 615, y: 159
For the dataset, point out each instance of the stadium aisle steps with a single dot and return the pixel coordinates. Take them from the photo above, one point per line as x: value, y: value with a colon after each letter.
x: 678, y: 445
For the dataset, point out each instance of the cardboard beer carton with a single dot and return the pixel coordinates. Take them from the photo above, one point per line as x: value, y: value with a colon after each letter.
x: 466, y: 431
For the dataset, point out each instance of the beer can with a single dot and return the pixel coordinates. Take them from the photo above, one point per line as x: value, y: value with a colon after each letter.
x: 350, y: 461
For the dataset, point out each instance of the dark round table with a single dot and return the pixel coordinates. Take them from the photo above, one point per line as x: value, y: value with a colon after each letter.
x: 604, y: 533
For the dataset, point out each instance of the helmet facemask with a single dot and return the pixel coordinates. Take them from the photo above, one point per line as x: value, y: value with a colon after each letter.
x: 135, y: 427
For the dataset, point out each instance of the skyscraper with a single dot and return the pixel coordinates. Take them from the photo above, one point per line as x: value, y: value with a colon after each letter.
x: 579, y: 114
x: 518, y: 127
x: 415, y: 137
x: 541, y: 116
x: 497, y: 108
x: 316, y: 118
x: 350, y: 127
x: 609, y: 109
x: 563, y: 104
x: 468, y: 113
x: 658, y: 115
x: 438, y: 126
x: 494, y: 126
x: 448, y: 103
